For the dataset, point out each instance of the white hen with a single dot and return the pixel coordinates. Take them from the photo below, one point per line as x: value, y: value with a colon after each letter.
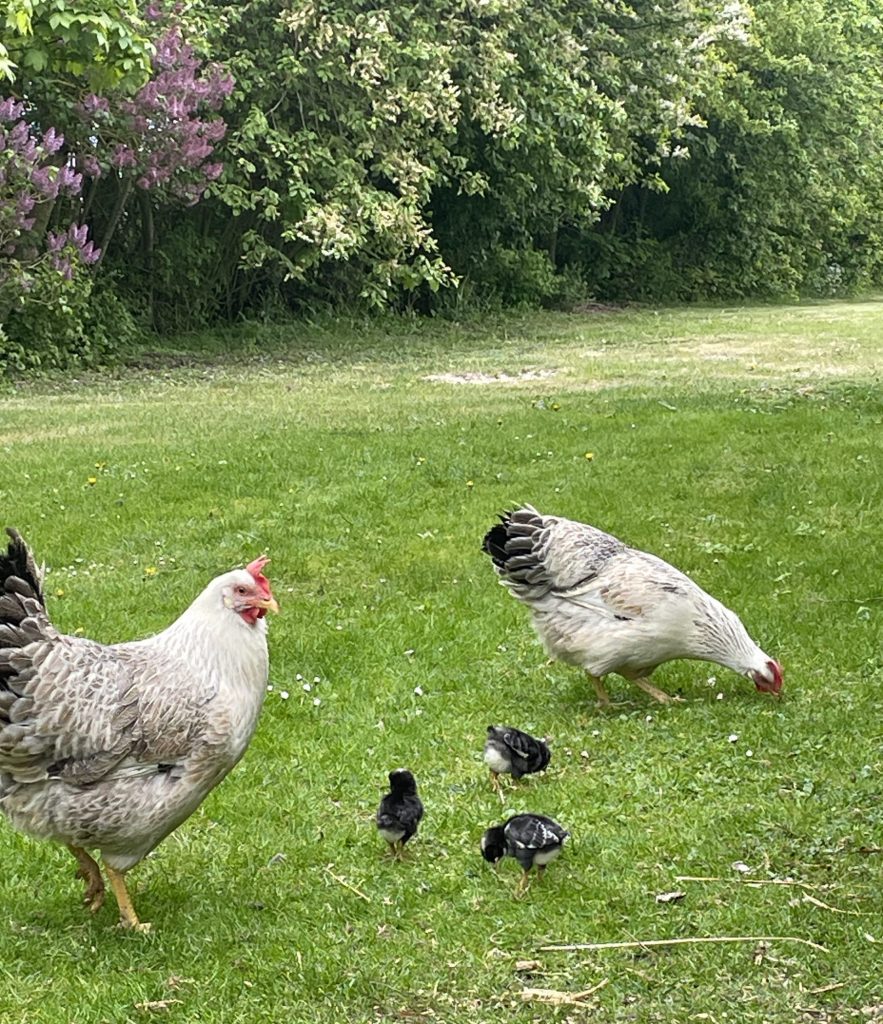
x: 606, y: 607
x: 112, y: 747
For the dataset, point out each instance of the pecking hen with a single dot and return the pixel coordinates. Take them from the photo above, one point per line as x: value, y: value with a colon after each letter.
x: 112, y: 747
x: 606, y: 607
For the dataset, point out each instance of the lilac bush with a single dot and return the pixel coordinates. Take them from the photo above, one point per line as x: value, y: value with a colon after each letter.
x: 64, y: 194
x: 34, y: 175
x: 159, y: 138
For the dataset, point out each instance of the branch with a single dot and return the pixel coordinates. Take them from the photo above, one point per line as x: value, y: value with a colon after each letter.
x: 346, y: 884
x: 641, y: 943
x: 743, y: 881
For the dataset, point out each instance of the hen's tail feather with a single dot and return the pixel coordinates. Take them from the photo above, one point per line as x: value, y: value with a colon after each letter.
x: 494, y: 543
x: 511, y: 542
x: 18, y: 576
x: 23, y: 618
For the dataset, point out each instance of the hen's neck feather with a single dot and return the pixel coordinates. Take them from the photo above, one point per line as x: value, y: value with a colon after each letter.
x: 210, y: 637
x: 720, y: 637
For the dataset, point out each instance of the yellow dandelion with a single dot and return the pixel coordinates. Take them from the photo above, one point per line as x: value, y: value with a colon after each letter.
x: 151, y: 570
x: 470, y: 483
x: 59, y: 592
x: 92, y: 480
x: 589, y: 456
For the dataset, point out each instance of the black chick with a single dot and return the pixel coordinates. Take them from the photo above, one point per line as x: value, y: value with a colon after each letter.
x: 532, y: 839
x: 400, y: 811
x: 509, y: 751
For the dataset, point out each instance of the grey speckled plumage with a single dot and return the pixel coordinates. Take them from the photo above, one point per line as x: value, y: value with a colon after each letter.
x: 606, y: 607
x: 111, y: 747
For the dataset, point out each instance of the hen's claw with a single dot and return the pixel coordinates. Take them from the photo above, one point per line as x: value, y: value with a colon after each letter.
x: 90, y: 873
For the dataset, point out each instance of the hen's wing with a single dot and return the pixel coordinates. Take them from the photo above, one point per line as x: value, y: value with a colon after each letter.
x: 75, y: 709
x: 397, y: 812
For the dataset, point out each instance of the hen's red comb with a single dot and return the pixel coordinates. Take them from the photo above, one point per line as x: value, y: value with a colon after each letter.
x: 256, y: 568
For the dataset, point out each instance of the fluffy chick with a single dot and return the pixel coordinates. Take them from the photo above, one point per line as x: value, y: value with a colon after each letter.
x: 509, y: 751
x: 532, y: 839
x: 400, y: 811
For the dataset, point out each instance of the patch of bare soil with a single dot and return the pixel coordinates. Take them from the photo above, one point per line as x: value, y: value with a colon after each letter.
x: 475, y: 377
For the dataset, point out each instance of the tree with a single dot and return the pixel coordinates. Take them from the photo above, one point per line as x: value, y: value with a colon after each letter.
x: 117, y: 108
x: 782, y: 193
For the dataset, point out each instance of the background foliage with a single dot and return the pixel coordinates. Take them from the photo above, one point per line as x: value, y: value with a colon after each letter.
x: 230, y: 160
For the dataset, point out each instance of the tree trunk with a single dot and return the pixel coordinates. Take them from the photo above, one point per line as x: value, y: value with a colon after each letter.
x: 125, y: 190
x: 148, y: 238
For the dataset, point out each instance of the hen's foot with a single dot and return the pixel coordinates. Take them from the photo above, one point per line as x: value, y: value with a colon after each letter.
x: 655, y: 692
x: 603, y: 698
x: 90, y: 873
x: 143, y: 927
x: 128, y: 917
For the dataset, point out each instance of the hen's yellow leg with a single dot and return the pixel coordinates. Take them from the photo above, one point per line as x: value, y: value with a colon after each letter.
x: 603, y: 699
x: 654, y: 691
x: 91, y: 875
x: 128, y: 917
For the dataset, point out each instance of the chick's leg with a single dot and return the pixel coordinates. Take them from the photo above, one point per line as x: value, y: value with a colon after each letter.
x: 128, y: 917
x: 91, y: 875
x: 497, y: 786
x: 523, y: 884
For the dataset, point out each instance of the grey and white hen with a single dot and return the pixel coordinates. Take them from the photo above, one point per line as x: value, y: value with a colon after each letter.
x: 606, y: 607
x: 112, y: 747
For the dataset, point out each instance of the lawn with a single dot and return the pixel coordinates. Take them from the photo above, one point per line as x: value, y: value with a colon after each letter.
x: 743, y: 445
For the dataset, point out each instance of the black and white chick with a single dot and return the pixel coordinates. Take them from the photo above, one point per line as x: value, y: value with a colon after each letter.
x: 509, y: 751
x: 532, y: 839
x: 400, y: 811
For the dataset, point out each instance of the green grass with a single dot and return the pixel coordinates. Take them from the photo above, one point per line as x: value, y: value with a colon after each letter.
x: 744, y: 445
